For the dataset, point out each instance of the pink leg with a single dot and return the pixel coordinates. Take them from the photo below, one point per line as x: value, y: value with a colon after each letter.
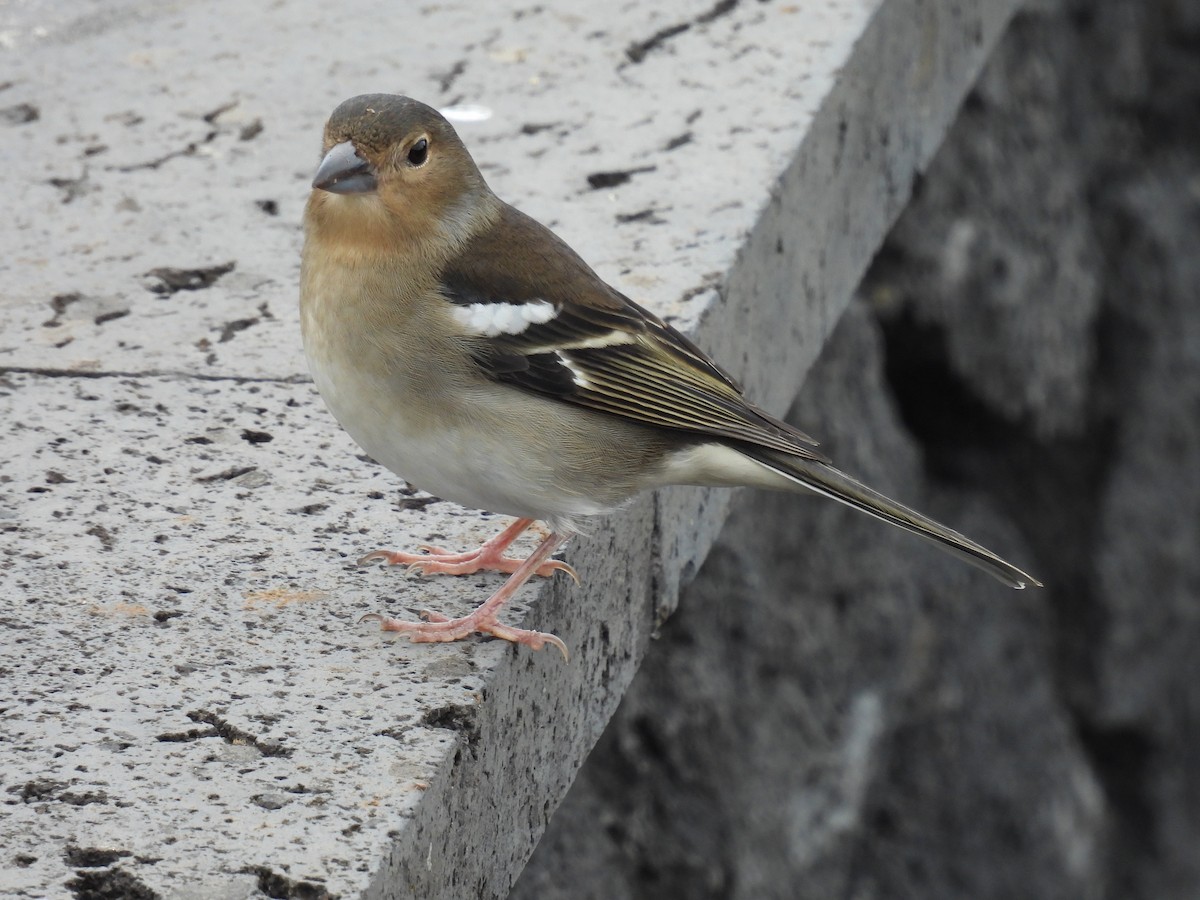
x: 439, y: 628
x: 489, y: 557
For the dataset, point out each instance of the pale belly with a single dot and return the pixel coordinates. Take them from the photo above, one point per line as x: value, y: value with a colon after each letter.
x: 479, y: 459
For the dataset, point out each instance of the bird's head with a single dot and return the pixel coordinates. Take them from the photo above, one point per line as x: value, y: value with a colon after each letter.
x: 395, y: 169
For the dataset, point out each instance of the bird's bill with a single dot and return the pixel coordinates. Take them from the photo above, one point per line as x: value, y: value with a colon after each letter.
x: 343, y: 171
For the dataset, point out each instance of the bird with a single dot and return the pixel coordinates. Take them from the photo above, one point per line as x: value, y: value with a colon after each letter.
x: 467, y: 348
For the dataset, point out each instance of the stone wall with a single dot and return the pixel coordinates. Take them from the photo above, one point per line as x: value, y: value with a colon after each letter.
x: 836, y: 710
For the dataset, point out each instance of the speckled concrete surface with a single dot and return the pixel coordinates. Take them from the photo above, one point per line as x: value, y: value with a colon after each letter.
x: 187, y: 707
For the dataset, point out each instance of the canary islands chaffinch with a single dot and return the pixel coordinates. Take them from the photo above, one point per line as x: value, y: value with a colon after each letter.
x: 473, y: 353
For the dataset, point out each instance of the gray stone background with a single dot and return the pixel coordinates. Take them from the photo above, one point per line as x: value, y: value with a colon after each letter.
x: 828, y: 714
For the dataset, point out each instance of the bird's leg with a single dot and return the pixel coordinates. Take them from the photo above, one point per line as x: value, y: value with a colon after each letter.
x: 437, y: 627
x: 489, y: 557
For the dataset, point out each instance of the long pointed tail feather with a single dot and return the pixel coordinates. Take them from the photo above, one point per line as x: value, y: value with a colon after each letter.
x: 837, y: 485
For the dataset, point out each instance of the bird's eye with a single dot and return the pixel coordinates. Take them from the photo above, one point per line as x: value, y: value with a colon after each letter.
x: 418, y: 152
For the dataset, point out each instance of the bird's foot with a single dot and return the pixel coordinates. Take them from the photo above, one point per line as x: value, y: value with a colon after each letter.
x: 438, y: 628
x: 488, y: 558
x: 437, y: 561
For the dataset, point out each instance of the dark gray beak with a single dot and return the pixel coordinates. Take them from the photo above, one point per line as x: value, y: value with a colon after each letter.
x: 343, y: 171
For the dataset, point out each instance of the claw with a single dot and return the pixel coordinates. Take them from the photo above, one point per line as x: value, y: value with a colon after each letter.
x: 548, y: 568
x: 534, y: 640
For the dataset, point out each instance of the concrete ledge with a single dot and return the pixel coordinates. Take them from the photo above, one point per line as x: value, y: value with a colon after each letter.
x: 187, y: 707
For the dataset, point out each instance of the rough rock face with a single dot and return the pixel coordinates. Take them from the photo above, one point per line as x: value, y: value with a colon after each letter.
x: 837, y: 710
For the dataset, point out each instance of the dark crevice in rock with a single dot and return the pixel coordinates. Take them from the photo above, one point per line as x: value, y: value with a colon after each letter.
x: 1123, y: 758
x: 600, y: 180
x: 169, y: 280
x: 1051, y: 488
x: 281, y: 887
x: 109, y: 884
x: 92, y: 857
x: 1054, y: 491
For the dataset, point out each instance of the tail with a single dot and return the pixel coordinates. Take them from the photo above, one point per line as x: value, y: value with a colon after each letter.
x: 829, y: 482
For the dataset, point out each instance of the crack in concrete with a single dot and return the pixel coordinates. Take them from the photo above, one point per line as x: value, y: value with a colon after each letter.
x: 638, y: 51
x: 228, y: 732
x: 189, y: 150
x: 153, y: 373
